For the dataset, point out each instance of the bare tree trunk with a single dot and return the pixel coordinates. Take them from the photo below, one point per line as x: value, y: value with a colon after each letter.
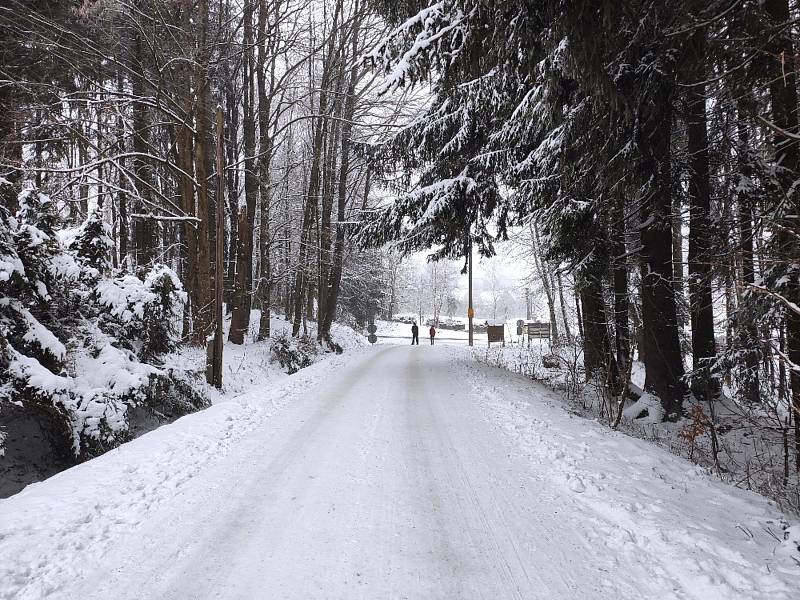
x: 700, y: 300
x: 564, y: 316
x: 783, y: 94
x: 143, y: 226
x: 242, y: 296
x: 320, y: 135
x: 215, y: 378
x: 325, y: 256
x: 334, y: 286
x: 190, y: 229
x: 677, y: 258
x: 621, y: 291
x: 10, y: 141
x: 232, y: 180
x: 83, y: 158
x: 202, y: 314
x: 264, y: 287
x: 744, y: 217
x: 185, y: 154
x: 122, y: 197
x: 660, y: 335
x: 544, y: 276
x: 597, y: 356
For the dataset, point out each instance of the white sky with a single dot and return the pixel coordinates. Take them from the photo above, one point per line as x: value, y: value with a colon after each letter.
x: 511, y: 272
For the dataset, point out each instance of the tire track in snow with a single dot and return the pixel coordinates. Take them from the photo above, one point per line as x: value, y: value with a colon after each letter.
x: 458, y: 480
x: 613, y: 483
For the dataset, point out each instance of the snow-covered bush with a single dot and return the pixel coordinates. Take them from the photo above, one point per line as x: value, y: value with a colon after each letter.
x: 78, y: 343
x: 32, y: 357
x: 790, y: 548
x: 293, y: 354
x: 142, y: 315
x: 93, y: 244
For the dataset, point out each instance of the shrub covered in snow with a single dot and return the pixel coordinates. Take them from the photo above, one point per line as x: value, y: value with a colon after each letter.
x: 78, y: 342
x: 93, y: 244
x: 142, y: 314
x: 790, y: 548
x: 293, y: 354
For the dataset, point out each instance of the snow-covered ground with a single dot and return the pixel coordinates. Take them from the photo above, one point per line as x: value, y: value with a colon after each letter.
x: 54, y: 533
x: 245, y: 367
x: 746, y: 446
x: 392, y: 472
x: 393, y: 332
x: 250, y: 365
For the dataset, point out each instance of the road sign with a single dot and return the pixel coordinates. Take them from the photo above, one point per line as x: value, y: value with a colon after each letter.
x: 372, y: 338
x: 470, y: 313
x: 372, y: 328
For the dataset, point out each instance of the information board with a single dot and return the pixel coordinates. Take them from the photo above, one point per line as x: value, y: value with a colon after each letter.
x: 538, y: 331
x: 496, y: 333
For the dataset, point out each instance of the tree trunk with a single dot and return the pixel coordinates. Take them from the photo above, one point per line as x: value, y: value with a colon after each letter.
x: 190, y: 229
x: 661, y: 342
x: 320, y: 137
x: 564, y: 316
x: 325, y: 238
x: 747, y: 326
x: 10, y: 141
x: 783, y: 94
x: 677, y: 259
x: 597, y: 357
x: 202, y: 312
x: 232, y: 180
x: 185, y: 153
x: 621, y: 291
x: 347, y: 129
x: 243, y: 293
x: 143, y: 227
x: 122, y: 197
x: 701, y: 307
x: 264, y: 287
x: 540, y: 265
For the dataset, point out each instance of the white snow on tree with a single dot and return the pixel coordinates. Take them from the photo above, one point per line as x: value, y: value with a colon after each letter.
x: 79, y: 343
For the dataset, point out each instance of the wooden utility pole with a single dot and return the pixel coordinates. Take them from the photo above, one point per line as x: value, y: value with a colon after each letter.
x: 216, y: 355
x: 470, y: 310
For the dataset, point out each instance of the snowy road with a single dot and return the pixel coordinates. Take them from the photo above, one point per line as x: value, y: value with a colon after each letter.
x: 416, y: 473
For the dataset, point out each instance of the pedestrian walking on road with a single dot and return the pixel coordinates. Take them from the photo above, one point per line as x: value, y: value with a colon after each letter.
x: 433, y: 333
x: 415, y: 334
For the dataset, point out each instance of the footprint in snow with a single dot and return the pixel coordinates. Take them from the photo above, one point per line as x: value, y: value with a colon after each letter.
x: 576, y: 484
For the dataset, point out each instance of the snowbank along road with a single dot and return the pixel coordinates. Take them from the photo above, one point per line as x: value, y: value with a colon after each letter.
x: 401, y: 472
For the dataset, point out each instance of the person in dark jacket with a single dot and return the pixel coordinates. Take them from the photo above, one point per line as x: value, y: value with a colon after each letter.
x: 432, y: 331
x: 415, y: 334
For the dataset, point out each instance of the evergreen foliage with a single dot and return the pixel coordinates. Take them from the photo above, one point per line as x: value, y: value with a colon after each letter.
x: 592, y: 120
x: 77, y: 341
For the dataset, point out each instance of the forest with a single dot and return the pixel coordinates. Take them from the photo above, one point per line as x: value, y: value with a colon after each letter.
x: 167, y: 166
x: 654, y: 146
x: 161, y: 160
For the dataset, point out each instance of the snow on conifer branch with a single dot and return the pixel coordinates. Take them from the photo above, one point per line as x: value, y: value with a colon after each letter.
x: 401, y: 51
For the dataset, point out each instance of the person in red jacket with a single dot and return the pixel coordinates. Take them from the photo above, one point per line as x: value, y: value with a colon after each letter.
x: 433, y: 333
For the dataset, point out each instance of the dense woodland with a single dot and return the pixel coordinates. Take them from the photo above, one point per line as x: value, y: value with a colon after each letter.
x: 654, y: 146
x: 150, y: 150
x: 154, y: 153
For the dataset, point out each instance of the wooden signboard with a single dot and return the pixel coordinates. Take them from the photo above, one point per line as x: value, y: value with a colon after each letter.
x: 538, y: 331
x: 497, y: 333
